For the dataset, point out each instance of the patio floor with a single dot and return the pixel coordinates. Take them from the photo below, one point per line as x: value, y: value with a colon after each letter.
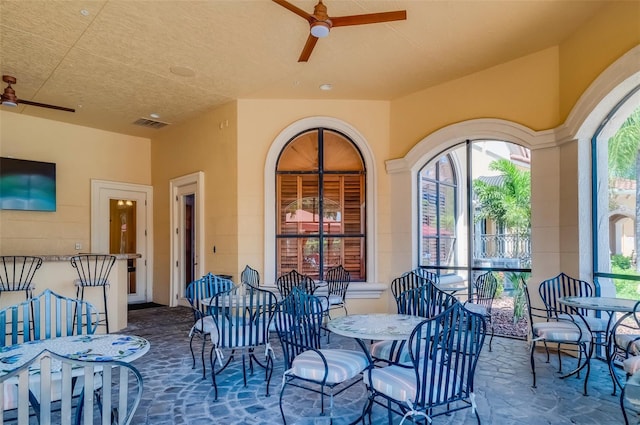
x: 175, y: 393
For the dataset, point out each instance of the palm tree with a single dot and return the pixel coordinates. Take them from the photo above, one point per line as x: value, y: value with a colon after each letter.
x: 624, y: 162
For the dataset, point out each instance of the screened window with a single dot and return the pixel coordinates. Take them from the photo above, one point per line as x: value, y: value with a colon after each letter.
x: 320, y: 186
x: 438, y: 212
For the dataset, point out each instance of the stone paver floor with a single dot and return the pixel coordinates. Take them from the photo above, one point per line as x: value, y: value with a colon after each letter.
x: 176, y: 394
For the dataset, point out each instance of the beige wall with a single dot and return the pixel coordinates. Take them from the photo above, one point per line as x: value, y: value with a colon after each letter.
x: 80, y: 154
x: 206, y: 143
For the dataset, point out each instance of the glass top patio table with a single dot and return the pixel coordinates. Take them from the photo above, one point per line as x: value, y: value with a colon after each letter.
x: 375, y: 326
x: 609, y: 304
x: 97, y: 347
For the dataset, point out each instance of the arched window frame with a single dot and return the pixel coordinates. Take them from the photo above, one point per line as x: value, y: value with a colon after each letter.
x: 278, y: 144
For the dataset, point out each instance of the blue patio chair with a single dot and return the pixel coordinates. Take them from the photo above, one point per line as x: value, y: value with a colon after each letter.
x: 241, y: 322
x: 425, y: 301
x: 549, y: 327
x: 485, y: 288
x: 204, y: 288
x: 286, y: 282
x: 46, y: 316
x: 51, y: 393
x: 409, y: 280
x: 250, y: 276
x: 444, y: 351
x: 17, y: 273
x: 625, y: 348
x: 307, y: 365
x: 429, y: 275
x: 338, y: 280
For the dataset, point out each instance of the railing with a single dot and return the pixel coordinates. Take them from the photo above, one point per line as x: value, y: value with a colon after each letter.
x: 504, y: 246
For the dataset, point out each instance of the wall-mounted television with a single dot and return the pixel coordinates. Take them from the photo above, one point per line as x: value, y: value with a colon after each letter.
x: 27, y: 185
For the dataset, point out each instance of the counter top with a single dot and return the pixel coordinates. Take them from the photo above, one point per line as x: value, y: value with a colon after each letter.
x: 67, y: 257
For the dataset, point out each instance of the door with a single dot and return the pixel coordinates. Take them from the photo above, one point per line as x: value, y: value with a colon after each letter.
x: 187, y: 243
x: 121, y: 224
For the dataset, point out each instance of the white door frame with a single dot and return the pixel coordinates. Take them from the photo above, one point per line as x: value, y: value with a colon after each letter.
x: 196, y: 179
x: 101, y: 192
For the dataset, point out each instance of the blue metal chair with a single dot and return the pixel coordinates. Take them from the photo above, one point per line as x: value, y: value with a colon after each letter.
x: 45, y: 316
x: 93, y: 272
x: 485, y: 288
x: 250, y: 276
x: 444, y: 352
x: 241, y: 322
x: 424, y: 273
x: 549, y: 327
x: 17, y: 273
x: 307, y: 365
x: 204, y: 288
x: 409, y: 280
x: 338, y: 280
x: 425, y: 301
x: 286, y: 282
x: 55, y: 391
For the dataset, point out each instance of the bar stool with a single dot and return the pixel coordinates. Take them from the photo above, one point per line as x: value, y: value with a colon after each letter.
x: 93, y: 271
x: 17, y: 273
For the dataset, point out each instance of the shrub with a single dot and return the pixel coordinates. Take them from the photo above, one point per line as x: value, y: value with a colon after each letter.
x: 620, y: 261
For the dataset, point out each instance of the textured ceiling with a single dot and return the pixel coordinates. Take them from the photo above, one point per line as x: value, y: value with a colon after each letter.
x: 114, y: 65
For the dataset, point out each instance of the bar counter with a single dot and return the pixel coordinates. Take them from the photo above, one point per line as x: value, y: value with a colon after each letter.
x: 57, y: 274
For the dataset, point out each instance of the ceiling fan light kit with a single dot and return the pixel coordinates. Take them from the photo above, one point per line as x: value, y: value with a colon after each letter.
x: 320, y: 23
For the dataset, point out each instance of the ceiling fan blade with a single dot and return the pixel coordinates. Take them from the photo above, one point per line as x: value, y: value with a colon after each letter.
x: 44, y: 105
x: 369, y: 18
x: 295, y: 10
x: 308, y: 48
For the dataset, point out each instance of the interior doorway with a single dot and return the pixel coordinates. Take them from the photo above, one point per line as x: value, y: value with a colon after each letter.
x: 187, y: 243
x: 121, y: 223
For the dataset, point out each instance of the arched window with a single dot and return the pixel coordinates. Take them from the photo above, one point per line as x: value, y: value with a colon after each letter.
x: 320, y: 202
x: 438, y: 194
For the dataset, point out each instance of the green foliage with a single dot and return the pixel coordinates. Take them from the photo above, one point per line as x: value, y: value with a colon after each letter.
x: 620, y: 261
x: 508, y: 204
x: 623, y: 148
x: 518, y: 280
x: 626, y: 288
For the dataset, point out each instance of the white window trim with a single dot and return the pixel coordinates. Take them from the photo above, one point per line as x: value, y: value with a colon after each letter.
x: 369, y: 289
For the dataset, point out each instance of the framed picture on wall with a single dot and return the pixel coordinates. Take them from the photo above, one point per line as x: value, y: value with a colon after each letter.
x: 27, y: 185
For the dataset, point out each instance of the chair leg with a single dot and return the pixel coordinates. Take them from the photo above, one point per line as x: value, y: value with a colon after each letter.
x: 106, y: 310
x: 533, y: 365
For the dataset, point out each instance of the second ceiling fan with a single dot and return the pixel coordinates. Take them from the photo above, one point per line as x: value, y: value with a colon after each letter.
x: 320, y: 22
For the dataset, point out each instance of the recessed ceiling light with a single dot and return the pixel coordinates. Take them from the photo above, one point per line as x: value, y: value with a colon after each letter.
x: 84, y: 12
x: 326, y: 87
x: 182, y: 71
x: 154, y: 115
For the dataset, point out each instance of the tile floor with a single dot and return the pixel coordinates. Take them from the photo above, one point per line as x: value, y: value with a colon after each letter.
x: 176, y: 394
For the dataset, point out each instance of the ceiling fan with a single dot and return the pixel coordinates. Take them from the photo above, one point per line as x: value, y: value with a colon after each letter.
x: 320, y: 22
x: 8, y: 97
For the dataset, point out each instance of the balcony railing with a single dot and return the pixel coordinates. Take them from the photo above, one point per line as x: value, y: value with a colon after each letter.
x: 504, y: 246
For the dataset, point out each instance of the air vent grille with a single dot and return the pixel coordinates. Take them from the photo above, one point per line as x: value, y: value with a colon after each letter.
x: 146, y: 122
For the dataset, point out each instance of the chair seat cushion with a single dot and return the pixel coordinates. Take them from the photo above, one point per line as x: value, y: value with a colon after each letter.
x: 561, y: 331
x: 632, y: 390
x: 400, y: 382
x: 631, y: 365
x: 596, y: 324
x: 98, y: 282
x: 342, y: 365
x: 335, y: 299
x: 630, y: 342
x: 391, y: 351
x: 476, y: 308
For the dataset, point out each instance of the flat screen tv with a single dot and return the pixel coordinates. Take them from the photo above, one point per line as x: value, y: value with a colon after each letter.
x: 27, y: 185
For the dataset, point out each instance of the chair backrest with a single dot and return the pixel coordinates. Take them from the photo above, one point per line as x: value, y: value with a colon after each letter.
x: 206, y: 287
x: 17, y: 272
x: 52, y: 393
x: 338, y: 280
x: 405, y: 282
x: 425, y: 301
x: 46, y: 316
x: 288, y: 281
x: 551, y: 290
x: 242, y: 318
x: 445, y: 365
x: 298, y: 320
x: 93, y: 269
x: 250, y: 277
x: 485, y: 288
x: 431, y: 276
